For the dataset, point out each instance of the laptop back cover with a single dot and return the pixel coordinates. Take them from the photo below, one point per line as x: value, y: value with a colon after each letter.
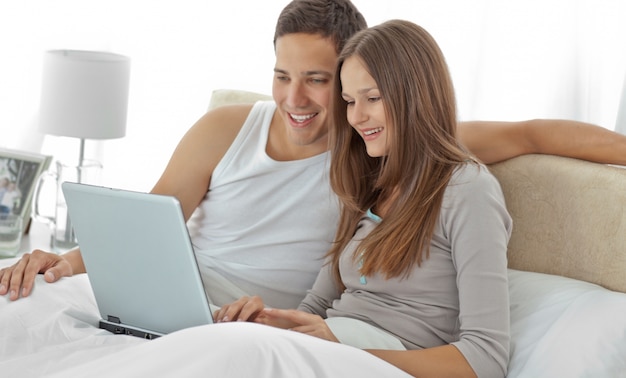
x: 139, y: 258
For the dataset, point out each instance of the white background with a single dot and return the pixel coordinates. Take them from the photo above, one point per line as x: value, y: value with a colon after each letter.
x: 510, y: 60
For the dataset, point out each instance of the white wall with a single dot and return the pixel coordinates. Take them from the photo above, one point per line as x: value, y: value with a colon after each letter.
x: 510, y: 60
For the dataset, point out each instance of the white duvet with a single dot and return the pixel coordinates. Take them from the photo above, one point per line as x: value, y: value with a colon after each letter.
x: 559, y: 328
x: 54, y: 333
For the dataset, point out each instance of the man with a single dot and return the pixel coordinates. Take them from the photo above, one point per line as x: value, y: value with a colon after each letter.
x: 255, y: 177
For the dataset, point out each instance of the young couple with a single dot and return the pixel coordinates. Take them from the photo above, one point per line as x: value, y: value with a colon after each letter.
x: 419, y: 226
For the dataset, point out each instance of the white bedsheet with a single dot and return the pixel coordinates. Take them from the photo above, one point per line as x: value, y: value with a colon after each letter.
x: 54, y: 333
x: 559, y: 327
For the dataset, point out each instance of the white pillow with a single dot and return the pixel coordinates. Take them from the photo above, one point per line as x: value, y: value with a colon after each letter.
x: 562, y: 327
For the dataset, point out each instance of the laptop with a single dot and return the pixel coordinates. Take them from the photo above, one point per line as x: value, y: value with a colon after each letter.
x: 139, y: 258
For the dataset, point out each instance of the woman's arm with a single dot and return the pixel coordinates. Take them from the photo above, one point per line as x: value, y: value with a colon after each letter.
x: 477, y: 227
x: 443, y: 361
x: 497, y: 141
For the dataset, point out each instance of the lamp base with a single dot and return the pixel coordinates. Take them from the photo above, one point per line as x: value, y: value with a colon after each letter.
x: 63, y: 238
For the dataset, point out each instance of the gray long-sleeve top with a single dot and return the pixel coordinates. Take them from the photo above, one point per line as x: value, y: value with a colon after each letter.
x: 458, y: 296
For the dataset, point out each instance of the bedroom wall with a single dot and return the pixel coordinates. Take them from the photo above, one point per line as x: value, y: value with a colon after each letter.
x: 509, y: 60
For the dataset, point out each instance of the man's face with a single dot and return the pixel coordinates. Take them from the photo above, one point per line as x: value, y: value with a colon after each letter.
x: 302, y: 86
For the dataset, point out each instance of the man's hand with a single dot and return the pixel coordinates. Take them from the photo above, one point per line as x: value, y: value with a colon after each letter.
x: 18, y: 279
x: 298, y: 321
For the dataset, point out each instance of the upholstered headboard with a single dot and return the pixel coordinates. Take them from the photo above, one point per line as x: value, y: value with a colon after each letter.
x: 221, y: 97
x: 569, y: 216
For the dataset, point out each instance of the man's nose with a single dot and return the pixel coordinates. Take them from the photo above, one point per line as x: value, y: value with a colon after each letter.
x: 297, y: 96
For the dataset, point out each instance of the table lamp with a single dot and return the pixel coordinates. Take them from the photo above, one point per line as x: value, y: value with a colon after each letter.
x: 84, y: 95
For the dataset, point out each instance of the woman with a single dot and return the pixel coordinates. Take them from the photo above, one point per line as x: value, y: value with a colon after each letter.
x: 420, y: 252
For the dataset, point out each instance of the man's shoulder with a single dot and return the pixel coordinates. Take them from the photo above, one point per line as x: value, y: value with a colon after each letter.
x: 234, y: 116
x: 229, y: 115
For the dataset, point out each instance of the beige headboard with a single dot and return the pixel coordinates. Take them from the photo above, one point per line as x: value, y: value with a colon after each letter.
x: 220, y: 97
x: 569, y: 216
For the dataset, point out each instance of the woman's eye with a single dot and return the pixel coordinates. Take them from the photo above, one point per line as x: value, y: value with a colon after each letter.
x: 373, y: 99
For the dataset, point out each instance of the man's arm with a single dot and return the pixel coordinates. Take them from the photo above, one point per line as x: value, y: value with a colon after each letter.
x: 18, y: 279
x: 188, y: 173
x: 186, y: 177
x: 492, y: 142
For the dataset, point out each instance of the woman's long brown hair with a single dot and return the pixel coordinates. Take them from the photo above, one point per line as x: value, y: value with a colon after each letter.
x: 418, y: 97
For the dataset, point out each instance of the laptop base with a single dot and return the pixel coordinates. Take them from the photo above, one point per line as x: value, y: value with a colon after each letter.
x: 119, y: 329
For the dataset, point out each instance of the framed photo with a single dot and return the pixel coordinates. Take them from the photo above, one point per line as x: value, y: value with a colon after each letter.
x: 19, y: 172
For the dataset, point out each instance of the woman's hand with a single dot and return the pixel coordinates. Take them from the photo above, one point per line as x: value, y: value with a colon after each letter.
x: 242, y: 310
x: 18, y: 279
x: 298, y: 321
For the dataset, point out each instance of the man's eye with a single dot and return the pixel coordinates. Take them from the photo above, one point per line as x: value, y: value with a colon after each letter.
x: 319, y: 81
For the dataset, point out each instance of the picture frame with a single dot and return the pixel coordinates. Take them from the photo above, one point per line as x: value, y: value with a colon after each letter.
x: 19, y: 173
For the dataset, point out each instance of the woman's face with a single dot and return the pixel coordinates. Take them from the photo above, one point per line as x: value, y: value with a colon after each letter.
x: 365, y: 107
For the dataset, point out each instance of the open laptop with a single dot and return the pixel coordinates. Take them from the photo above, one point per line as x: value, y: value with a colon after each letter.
x: 139, y: 259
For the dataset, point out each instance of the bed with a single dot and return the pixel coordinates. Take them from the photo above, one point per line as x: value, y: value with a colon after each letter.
x: 560, y: 327
x: 567, y: 279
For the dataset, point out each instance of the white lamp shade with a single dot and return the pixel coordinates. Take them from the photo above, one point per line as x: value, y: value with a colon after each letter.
x: 84, y: 94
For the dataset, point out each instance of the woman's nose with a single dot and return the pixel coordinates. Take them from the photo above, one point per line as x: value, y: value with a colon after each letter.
x: 356, y: 114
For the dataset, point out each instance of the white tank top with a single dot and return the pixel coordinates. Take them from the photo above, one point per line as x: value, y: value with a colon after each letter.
x: 264, y: 225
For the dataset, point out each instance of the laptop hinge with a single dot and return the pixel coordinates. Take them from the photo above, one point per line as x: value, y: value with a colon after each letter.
x: 114, y: 319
